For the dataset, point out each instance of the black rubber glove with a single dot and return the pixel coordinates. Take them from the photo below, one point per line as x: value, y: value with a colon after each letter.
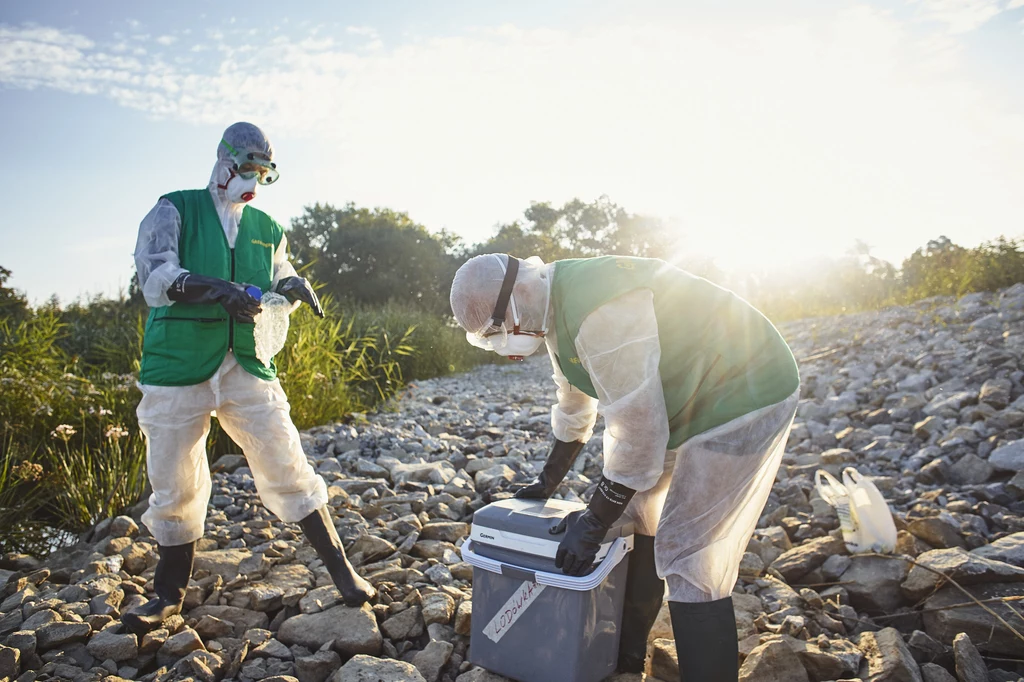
x: 298, y: 289
x: 561, y: 458
x: 586, y: 530
x: 190, y: 288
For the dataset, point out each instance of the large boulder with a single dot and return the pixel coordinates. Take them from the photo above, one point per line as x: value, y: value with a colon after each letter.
x: 988, y: 634
x: 353, y: 631
x: 1009, y: 549
x: 967, y: 568
x: 363, y: 668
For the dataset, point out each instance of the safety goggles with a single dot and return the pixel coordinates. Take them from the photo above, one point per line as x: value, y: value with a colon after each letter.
x: 249, y: 165
x: 494, y: 334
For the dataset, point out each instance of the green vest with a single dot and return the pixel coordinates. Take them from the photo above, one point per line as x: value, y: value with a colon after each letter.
x: 185, y: 343
x: 720, y: 357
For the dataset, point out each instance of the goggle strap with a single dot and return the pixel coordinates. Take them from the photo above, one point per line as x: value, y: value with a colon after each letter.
x: 498, y: 316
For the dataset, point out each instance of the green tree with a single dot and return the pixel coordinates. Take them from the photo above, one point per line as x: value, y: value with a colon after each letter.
x: 13, y: 305
x: 372, y: 256
x: 937, y: 269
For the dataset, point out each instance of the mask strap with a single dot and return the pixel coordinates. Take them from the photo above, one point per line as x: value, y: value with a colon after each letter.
x: 498, y: 316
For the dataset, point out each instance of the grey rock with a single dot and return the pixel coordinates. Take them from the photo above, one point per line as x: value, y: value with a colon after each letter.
x: 447, y: 531
x: 840, y: 659
x: 481, y: 675
x: 772, y: 661
x: 354, y: 631
x: 802, y: 559
x: 242, y: 619
x: 464, y: 617
x: 368, y: 669
x: 180, y: 645
x: 887, y: 658
x: 967, y: 568
x: 969, y: 665
x: 404, y: 625
x: 432, y: 659
x: 228, y: 464
x: 53, y: 635
x: 318, y: 667
x: 1009, y: 457
x: 1009, y: 549
x: 10, y: 662
x: 874, y: 582
x: 222, y: 562
x: 123, y: 527
x: 372, y: 547
x: 438, y: 608
x: 971, y: 470
x: 932, y: 672
x: 937, y: 531
x: 116, y: 647
x: 996, y: 392
x: 989, y: 635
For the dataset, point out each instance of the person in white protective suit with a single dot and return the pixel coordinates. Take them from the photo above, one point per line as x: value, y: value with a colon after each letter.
x: 199, y: 255
x: 698, y: 391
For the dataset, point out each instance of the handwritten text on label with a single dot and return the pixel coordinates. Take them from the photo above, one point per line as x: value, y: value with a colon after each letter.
x: 512, y: 609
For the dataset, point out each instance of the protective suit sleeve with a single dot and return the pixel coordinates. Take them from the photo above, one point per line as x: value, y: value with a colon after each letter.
x: 574, y: 415
x: 156, y: 253
x: 282, y: 266
x: 618, y: 345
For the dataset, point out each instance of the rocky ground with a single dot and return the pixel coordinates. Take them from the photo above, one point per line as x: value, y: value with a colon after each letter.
x: 928, y: 400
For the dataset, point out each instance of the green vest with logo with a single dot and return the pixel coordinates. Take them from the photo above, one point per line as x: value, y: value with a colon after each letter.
x: 720, y: 357
x: 185, y: 343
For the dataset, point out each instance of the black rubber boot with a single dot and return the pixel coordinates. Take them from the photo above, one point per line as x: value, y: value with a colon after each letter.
x: 706, y: 640
x: 645, y: 592
x: 320, y: 531
x: 170, y: 582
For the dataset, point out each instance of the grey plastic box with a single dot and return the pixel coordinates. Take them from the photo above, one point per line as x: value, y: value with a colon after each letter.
x: 531, y: 622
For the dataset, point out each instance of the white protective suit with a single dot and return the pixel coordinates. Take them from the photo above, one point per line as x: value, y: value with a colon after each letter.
x: 252, y: 411
x: 701, y: 500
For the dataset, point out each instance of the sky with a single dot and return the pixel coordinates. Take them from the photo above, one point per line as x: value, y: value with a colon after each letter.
x: 765, y: 132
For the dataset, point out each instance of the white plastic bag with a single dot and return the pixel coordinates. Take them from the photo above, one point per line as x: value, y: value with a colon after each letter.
x: 872, y: 513
x: 836, y: 494
x: 864, y: 516
x: 271, y: 330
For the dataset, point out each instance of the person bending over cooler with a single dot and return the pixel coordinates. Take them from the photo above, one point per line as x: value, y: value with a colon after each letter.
x: 698, y: 391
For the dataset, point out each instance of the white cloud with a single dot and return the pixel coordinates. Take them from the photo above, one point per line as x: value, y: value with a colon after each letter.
x: 367, y: 31
x: 812, y: 133
x: 962, y: 16
x: 1015, y: 4
x: 167, y: 40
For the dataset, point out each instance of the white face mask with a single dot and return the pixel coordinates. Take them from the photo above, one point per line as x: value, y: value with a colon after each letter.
x: 508, y: 343
x: 520, y: 345
x: 240, y: 191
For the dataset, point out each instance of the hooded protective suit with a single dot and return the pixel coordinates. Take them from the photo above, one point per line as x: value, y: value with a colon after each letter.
x: 698, y: 392
x: 251, y: 409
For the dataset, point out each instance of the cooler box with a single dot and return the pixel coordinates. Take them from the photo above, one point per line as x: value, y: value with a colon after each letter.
x: 531, y: 622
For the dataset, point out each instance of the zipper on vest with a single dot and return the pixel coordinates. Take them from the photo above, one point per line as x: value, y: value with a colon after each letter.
x: 231, y: 320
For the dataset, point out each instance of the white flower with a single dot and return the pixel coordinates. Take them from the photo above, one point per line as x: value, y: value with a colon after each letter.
x: 63, y: 432
x: 116, y: 433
